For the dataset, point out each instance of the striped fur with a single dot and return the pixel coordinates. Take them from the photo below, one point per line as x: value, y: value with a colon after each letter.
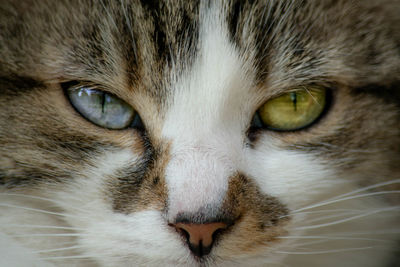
x: 75, y: 194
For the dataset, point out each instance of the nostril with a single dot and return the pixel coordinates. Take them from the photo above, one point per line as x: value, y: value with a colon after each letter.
x: 200, y: 237
x: 183, y: 232
x: 217, y: 232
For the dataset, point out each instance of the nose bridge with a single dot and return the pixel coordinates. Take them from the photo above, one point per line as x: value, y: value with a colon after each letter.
x: 197, y: 177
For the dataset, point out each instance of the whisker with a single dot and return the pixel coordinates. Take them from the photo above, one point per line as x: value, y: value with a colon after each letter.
x: 347, y: 219
x: 335, y: 200
x: 323, y: 251
x: 327, y: 146
x: 332, y: 238
x: 41, y: 211
x: 320, y: 211
x: 57, y: 249
x: 336, y: 215
x: 60, y: 203
x: 303, y: 245
x: 369, y: 187
x: 45, y: 227
x: 83, y: 257
x: 88, y: 257
x: 382, y: 232
x: 51, y: 235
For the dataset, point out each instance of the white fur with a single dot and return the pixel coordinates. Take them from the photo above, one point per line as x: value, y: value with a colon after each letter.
x: 293, y: 177
x: 13, y: 254
x: 205, y: 121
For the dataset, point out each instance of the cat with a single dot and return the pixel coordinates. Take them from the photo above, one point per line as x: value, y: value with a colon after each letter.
x: 199, y: 133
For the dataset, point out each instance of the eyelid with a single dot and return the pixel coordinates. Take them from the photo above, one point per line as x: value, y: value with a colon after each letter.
x: 92, y: 86
x: 76, y: 85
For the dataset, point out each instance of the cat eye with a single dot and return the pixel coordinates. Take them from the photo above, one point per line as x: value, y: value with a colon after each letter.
x: 101, y: 108
x: 294, y: 110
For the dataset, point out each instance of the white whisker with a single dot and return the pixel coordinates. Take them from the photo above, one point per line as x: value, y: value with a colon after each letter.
x: 323, y: 251
x: 88, y: 257
x: 333, y: 238
x: 321, y: 211
x: 51, y: 235
x: 303, y: 245
x: 39, y: 210
x: 347, y: 219
x: 59, y: 203
x: 369, y: 187
x: 382, y: 232
x: 58, y: 249
x: 332, y: 216
x: 335, y: 200
x: 45, y: 227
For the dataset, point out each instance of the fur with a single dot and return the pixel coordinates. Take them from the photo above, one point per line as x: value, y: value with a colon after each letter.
x: 75, y: 194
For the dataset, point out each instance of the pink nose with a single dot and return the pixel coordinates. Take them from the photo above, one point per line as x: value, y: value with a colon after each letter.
x: 200, y: 237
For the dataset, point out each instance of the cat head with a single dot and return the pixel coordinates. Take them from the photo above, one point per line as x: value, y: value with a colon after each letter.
x: 147, y: 130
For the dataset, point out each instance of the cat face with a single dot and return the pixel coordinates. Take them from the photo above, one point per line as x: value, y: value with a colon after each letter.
x: 199, y: 133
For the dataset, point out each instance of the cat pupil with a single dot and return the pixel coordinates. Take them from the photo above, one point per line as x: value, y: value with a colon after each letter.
x: 293, y: 97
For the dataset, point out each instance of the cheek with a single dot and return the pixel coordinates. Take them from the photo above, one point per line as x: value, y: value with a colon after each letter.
x: 89, y: 190
x: 88, y: 205
x: 293, y: 177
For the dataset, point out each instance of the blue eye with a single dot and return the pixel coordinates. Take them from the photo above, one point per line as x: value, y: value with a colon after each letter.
x: 101, y: 108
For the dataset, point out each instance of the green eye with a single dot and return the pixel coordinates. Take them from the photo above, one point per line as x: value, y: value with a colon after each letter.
x: 101, y: 108
x: 293, y: 110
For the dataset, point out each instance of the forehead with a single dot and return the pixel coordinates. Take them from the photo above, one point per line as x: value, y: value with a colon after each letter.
x: 169, y: 38
x: 147, y: 48
x: 147, y: 44
x: 211, y: 53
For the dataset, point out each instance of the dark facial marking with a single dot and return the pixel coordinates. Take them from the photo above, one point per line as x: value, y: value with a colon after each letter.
x: 389, y: 93
x: 140, y: 185
x: 244, y: 198
x: 14, y: 85
x: 175, y: 30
